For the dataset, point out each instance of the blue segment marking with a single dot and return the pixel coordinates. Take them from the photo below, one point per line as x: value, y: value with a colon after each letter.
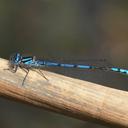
x: 67, y: 65
x: 84, y: 66
x: 124, y: 71
x: 115, y: 69
x: 51, y: 64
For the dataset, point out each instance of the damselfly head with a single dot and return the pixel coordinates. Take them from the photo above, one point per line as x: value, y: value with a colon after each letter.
x: 15, y: 59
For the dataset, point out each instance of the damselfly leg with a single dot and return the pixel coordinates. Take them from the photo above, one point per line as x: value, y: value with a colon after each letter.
x: 41, y: 73
x: 26, y: 70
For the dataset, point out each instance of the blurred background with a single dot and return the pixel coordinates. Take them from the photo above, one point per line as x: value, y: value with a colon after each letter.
x: 58, y: 30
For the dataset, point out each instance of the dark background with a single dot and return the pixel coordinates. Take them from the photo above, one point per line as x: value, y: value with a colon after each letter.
x: 63, y: 29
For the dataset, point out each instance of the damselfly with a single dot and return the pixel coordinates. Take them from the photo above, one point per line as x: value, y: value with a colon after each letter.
x: 30, y: 62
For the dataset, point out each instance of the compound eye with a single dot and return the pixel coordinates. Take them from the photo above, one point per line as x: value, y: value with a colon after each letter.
x: 18, y: 58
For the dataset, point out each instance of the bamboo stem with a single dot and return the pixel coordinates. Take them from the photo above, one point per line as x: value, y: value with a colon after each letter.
x: 76, y: 98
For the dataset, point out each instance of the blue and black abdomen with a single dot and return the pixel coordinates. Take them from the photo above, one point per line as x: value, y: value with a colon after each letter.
x: 120, y: 70
x: 114, y: 69
x: 54, y: 64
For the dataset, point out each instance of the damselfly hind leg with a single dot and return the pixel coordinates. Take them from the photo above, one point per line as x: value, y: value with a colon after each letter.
x: 41, y: 73
x: 26, y: 71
